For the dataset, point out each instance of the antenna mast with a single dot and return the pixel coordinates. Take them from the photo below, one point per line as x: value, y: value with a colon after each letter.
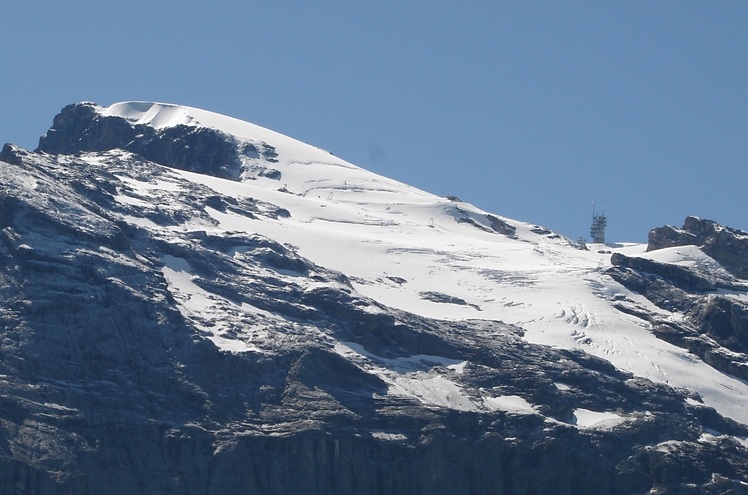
x: 597, y: 231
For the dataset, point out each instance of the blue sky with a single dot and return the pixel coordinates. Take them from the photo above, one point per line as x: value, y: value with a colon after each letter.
x: 530, y: 110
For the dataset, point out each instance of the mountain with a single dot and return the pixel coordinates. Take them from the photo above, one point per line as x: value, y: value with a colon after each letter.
x: 195, y: 304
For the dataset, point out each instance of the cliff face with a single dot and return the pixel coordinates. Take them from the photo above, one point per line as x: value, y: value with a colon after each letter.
x: 79, y: 128
x: 141, y: 354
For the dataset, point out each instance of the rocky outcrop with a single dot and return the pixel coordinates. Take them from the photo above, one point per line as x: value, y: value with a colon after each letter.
x: 716, y: 324
x: 501, y: 226
x: 495, y: 224
x: 79, y: 128
x: 726, y: 245
x: 675, y: 275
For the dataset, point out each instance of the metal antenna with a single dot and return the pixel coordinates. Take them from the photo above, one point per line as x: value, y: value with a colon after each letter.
x: 597, y: 231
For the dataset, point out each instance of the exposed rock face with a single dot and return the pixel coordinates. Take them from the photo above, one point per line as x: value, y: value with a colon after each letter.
x: 501, y: 226
x: 716, y: 324
x: 110, y: 384
x: 726, y: 245
x: 79, y: 128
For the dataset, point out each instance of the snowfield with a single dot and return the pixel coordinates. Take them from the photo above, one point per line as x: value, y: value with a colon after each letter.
x: 431, y: 256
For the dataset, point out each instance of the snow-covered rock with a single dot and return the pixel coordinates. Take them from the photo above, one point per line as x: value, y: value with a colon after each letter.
x: 192, y: 303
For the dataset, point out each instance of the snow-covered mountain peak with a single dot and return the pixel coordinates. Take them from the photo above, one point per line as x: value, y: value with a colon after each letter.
x: 194, y: 274
x: 162, y: 115
x: 400, y: 246
x: 206, y: 142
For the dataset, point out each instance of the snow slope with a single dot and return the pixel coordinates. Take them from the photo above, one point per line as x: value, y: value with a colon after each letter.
x: 415, y: 251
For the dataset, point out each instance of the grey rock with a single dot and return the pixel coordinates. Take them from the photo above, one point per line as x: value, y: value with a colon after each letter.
x: 501, y: 226
x: 678, y: 276
x: 726, y: 245
x: 716, y: 325
x: 79, y: 128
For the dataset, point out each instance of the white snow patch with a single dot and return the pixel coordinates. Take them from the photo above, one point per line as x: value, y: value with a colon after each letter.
x: 413, y: 376
x: 232, y: 345
x: 584, y: 418
x: 742, y: 441
x: 158, y: 115
x: 194, y: 301
x: 392, y: 437
x: 59, y: 407
x: 129, y: 200
x: 402, y: 364
x: 432, y: 389
x: 458, y: 368
x: 509, y: 403
x: 712, y: 436
x: 668, y: 446
x: 689, y: 256
x: 248, y: 308
x: 179, y: 275
x: 141, y: 221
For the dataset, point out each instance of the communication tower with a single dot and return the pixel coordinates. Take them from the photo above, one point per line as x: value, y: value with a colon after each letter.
x: 597, y: 231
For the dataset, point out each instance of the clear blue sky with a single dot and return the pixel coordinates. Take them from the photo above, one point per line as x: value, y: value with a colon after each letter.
x: 530, y: 110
